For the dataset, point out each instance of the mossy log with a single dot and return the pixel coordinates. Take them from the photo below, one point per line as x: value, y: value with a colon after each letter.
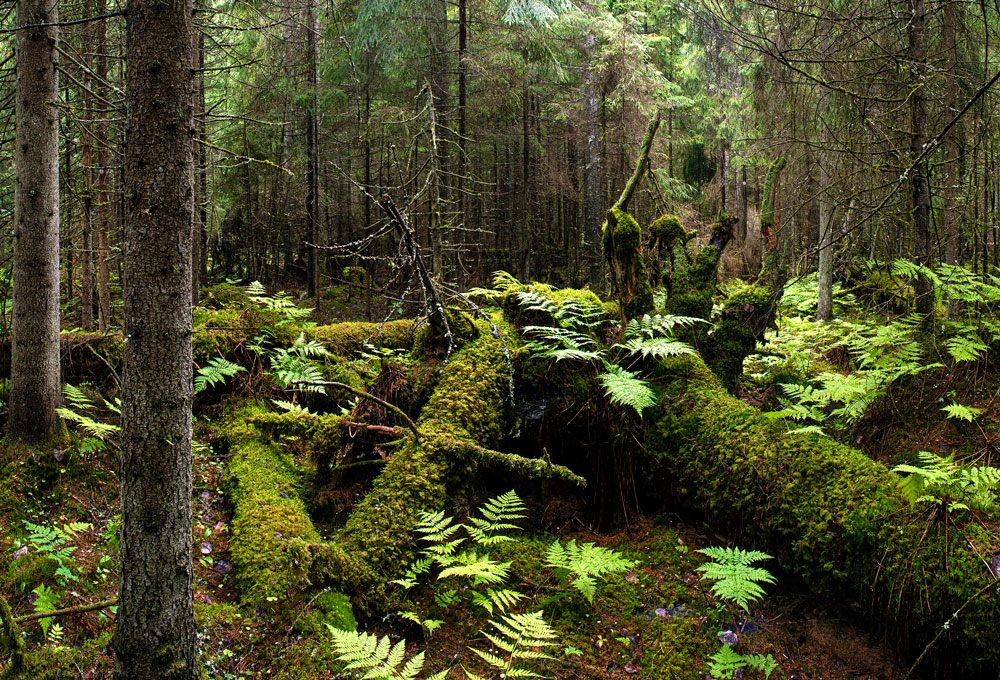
x: 832, y: 516
x: 271, y: 531
x: 467, y: 407
x: 274, y: 544
x: 346, y: 338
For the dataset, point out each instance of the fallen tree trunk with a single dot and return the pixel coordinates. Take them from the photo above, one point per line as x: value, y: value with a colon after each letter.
x: 467, y: 408
x: 832, y: 516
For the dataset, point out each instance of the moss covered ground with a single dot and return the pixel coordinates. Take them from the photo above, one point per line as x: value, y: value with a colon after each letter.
x: 277, y: 560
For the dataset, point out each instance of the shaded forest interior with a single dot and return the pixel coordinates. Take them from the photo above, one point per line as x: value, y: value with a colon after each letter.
x: 474, y: 340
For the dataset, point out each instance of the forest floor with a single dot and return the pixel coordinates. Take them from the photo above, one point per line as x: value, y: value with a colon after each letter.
x: 58, y: 548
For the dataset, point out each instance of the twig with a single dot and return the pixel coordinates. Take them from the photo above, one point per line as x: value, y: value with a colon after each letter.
x: 361, y: 393
x: 947, y: 625
x: 83, y: 609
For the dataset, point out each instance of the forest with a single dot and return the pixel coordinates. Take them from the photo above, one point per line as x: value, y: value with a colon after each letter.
x: 474, y: 340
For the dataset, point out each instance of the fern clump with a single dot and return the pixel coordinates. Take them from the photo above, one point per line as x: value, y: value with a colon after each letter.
x: 377, y: 657
x: 518, y: 641
x: 581, y: 564
x: 942, y: 481
x: 735, y: 579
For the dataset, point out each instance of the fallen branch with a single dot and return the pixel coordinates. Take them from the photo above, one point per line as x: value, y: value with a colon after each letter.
x: 82, y: 609
x: 361, y: 393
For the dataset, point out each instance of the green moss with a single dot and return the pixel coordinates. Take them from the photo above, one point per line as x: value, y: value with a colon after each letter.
x: 515, y: 312
x: 271, y: 530
x: 746, y: 314
x: 58, y: 662
x: 343, y: 339
x: 621, y: 238
x: 829, y: 513
x: 468, y: 405
x: 329, y: 608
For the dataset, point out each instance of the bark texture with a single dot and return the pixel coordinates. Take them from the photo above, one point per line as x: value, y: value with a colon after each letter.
x: 155, y: 637
x: 34, y: 392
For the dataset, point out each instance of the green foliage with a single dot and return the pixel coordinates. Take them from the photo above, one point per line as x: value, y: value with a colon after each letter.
x: 574, y: 338
x: 727, y: 661
x: 498, y: 516
x: 56, y: 542
x: 735, y: 580
x: 582, y: 564
x: 215, y: 373
x: 377, y: 657
x: 625, y: 388
x: 960, y: 412
x: 518, y: 643
x: 942, y: 481
x: 46, y: 600
x: 79, y: 402
x: 289, y: 365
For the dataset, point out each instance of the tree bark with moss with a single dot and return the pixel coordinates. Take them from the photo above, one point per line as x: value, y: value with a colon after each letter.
x: 621, y: 238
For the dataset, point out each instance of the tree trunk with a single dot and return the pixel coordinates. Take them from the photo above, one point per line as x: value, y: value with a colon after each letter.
x: 919, y: 184
x: 592, y: 214
x: 950, y: 143
x: 87, y: 195
x: 312, y: 149
x: 34, y: 391
x: 156, y: 636
x: 103, y: 195
x: 824, y: 304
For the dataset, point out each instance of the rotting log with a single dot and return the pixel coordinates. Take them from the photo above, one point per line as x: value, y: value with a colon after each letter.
x: 467, y: 406
x: 831, y: 516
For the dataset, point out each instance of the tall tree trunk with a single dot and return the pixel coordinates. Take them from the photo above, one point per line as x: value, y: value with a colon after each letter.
x: 950, y: 140
x: 919, y: 184
x: 156, y: 636
x: 34, y: 390
x: 197, y: 226
x: 103, y: 176
x: 312, y: 149
x: 87, y: 169
x: 593, y: 216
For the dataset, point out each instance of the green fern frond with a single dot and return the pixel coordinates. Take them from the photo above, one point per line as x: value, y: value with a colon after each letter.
x: 725, y: 663
x: 478, y: 568
x: 498, y: 517
x: 658, y: 325
x: 519, y: 642
x: 626, y: 388
x: 735, y: 579
x: 658, y: 348
x: 215, y: 372
x: 76, y: 397
x: 376, y: 656
x: 584, y: 563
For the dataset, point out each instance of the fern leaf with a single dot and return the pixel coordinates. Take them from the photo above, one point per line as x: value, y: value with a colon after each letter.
x: 626, y: 388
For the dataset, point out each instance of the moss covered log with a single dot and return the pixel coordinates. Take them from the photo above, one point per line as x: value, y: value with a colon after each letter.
x: 271, y: 530
x: 467, y: 407
x: 346, y: 338
x: 832, y: 516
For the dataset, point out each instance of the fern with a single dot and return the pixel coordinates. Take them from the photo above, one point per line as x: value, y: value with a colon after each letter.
x: 586, y: 563
x: 501, y: 600
x: 727, y: 661
x: 498, y: 517
x: 377, y: 657
x: 960, y: 412
x: 215, y: 373
x: 625, y: 388
x: 965, y: 348
x: 735, y: 579
x: 478, y: 568
x: 658, y: 348
x: 942, y: 481
x: 518, y: 643
x: 658, y: 325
